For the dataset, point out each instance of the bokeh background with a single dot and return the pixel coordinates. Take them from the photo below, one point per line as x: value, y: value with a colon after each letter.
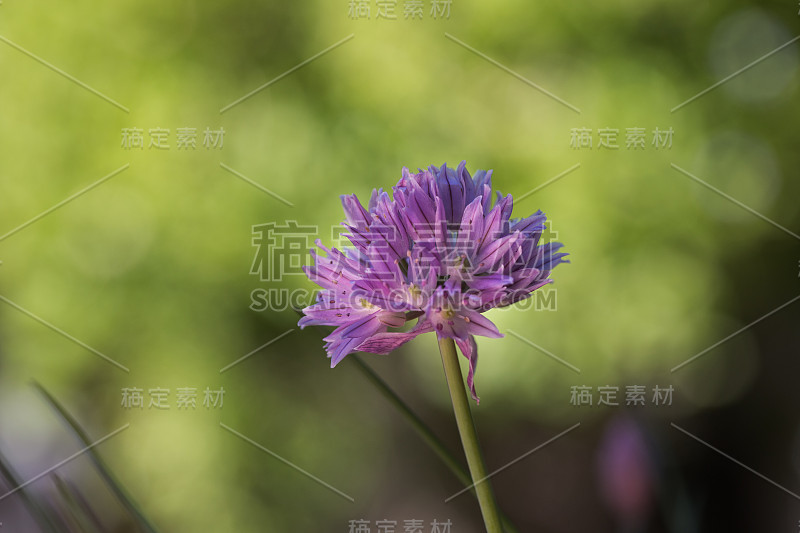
x: 152, y: 267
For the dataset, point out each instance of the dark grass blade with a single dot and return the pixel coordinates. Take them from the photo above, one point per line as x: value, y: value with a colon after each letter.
x: 136, y: 514
x: 41, y: 513
x: 78, y: 507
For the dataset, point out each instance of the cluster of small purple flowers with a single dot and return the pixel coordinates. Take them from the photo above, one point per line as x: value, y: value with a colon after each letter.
x: 438, y: 251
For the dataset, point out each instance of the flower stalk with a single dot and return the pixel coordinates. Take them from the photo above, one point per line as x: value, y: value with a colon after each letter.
x: 469, y: 436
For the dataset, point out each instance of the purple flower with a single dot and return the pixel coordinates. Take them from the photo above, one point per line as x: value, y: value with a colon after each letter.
x: 437, y: 251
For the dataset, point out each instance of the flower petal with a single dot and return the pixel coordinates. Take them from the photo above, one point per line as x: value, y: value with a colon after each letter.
x: 383, y: 343
x: 480, y: 325
x: 470, y: 350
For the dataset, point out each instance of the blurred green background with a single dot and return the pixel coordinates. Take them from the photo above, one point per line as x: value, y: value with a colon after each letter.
x: 152, y: 267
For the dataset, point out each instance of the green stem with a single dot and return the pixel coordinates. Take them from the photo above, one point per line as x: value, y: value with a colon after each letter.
x: 469, y: 436
x: 424, y: 431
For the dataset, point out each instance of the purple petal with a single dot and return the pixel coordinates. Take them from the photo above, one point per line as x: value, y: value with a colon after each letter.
x: 383, y: 343
x: 363, y: 327
x: 355, y: 213
x: 470, y: 350
x: 480, y: 325
x: 451, y: 191
x: 471, y: 224
x: 341, y: 348
x: 489, y: 281
x: 532, y: 224
x: 493, y: 252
